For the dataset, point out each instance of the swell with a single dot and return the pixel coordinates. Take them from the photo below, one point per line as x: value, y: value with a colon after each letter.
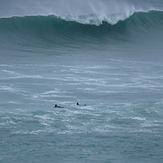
x: 57, y: 30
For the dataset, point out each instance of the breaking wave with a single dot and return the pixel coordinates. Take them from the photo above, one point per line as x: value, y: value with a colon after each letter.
x: 67, y: 29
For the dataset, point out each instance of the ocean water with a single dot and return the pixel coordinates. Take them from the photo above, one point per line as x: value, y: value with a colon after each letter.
x: 107, y: 54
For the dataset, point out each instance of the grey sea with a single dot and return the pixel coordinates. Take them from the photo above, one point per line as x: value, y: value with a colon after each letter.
x: 107, y: 54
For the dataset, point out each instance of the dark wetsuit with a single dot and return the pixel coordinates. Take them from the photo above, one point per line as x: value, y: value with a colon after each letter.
x: 56, y: 106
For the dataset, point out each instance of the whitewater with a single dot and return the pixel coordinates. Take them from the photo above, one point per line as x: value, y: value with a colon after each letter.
x: 107, y: 55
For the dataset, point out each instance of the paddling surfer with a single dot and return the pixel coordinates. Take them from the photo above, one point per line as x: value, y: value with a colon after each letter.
x: 56, y: 106
x: 78, y: 104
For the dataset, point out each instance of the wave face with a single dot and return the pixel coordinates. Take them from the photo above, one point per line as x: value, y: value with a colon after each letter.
x: 73, y: 22
x: 61, y: 30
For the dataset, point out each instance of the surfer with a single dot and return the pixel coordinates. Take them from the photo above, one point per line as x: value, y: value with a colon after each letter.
x: 56, y: 106
x: 78, y: 104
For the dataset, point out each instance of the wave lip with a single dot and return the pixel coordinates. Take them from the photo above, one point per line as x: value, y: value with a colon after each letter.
x: 94, y: 19
x: 111, y: 18
x: 99, y: 19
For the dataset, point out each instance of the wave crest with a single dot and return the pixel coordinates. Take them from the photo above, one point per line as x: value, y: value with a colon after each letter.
x: 94, y: 19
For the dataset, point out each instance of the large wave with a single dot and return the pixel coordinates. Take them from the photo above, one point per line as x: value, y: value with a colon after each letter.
x: 138, y: 19
x: 82, y: 29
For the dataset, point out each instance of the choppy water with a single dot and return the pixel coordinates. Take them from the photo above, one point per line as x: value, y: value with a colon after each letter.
x: 106, y: 54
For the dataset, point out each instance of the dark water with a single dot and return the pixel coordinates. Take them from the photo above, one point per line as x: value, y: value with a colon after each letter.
x: 106, y: 54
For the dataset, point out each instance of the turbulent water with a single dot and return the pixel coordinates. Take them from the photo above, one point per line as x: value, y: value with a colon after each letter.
x: 107, y: 54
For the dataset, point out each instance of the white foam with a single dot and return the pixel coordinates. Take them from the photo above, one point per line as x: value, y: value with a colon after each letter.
x: 7, y: 88
x: 9, y: 72
x: 137, y: 118
x: 98, y: 19
x: 51, y: 92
